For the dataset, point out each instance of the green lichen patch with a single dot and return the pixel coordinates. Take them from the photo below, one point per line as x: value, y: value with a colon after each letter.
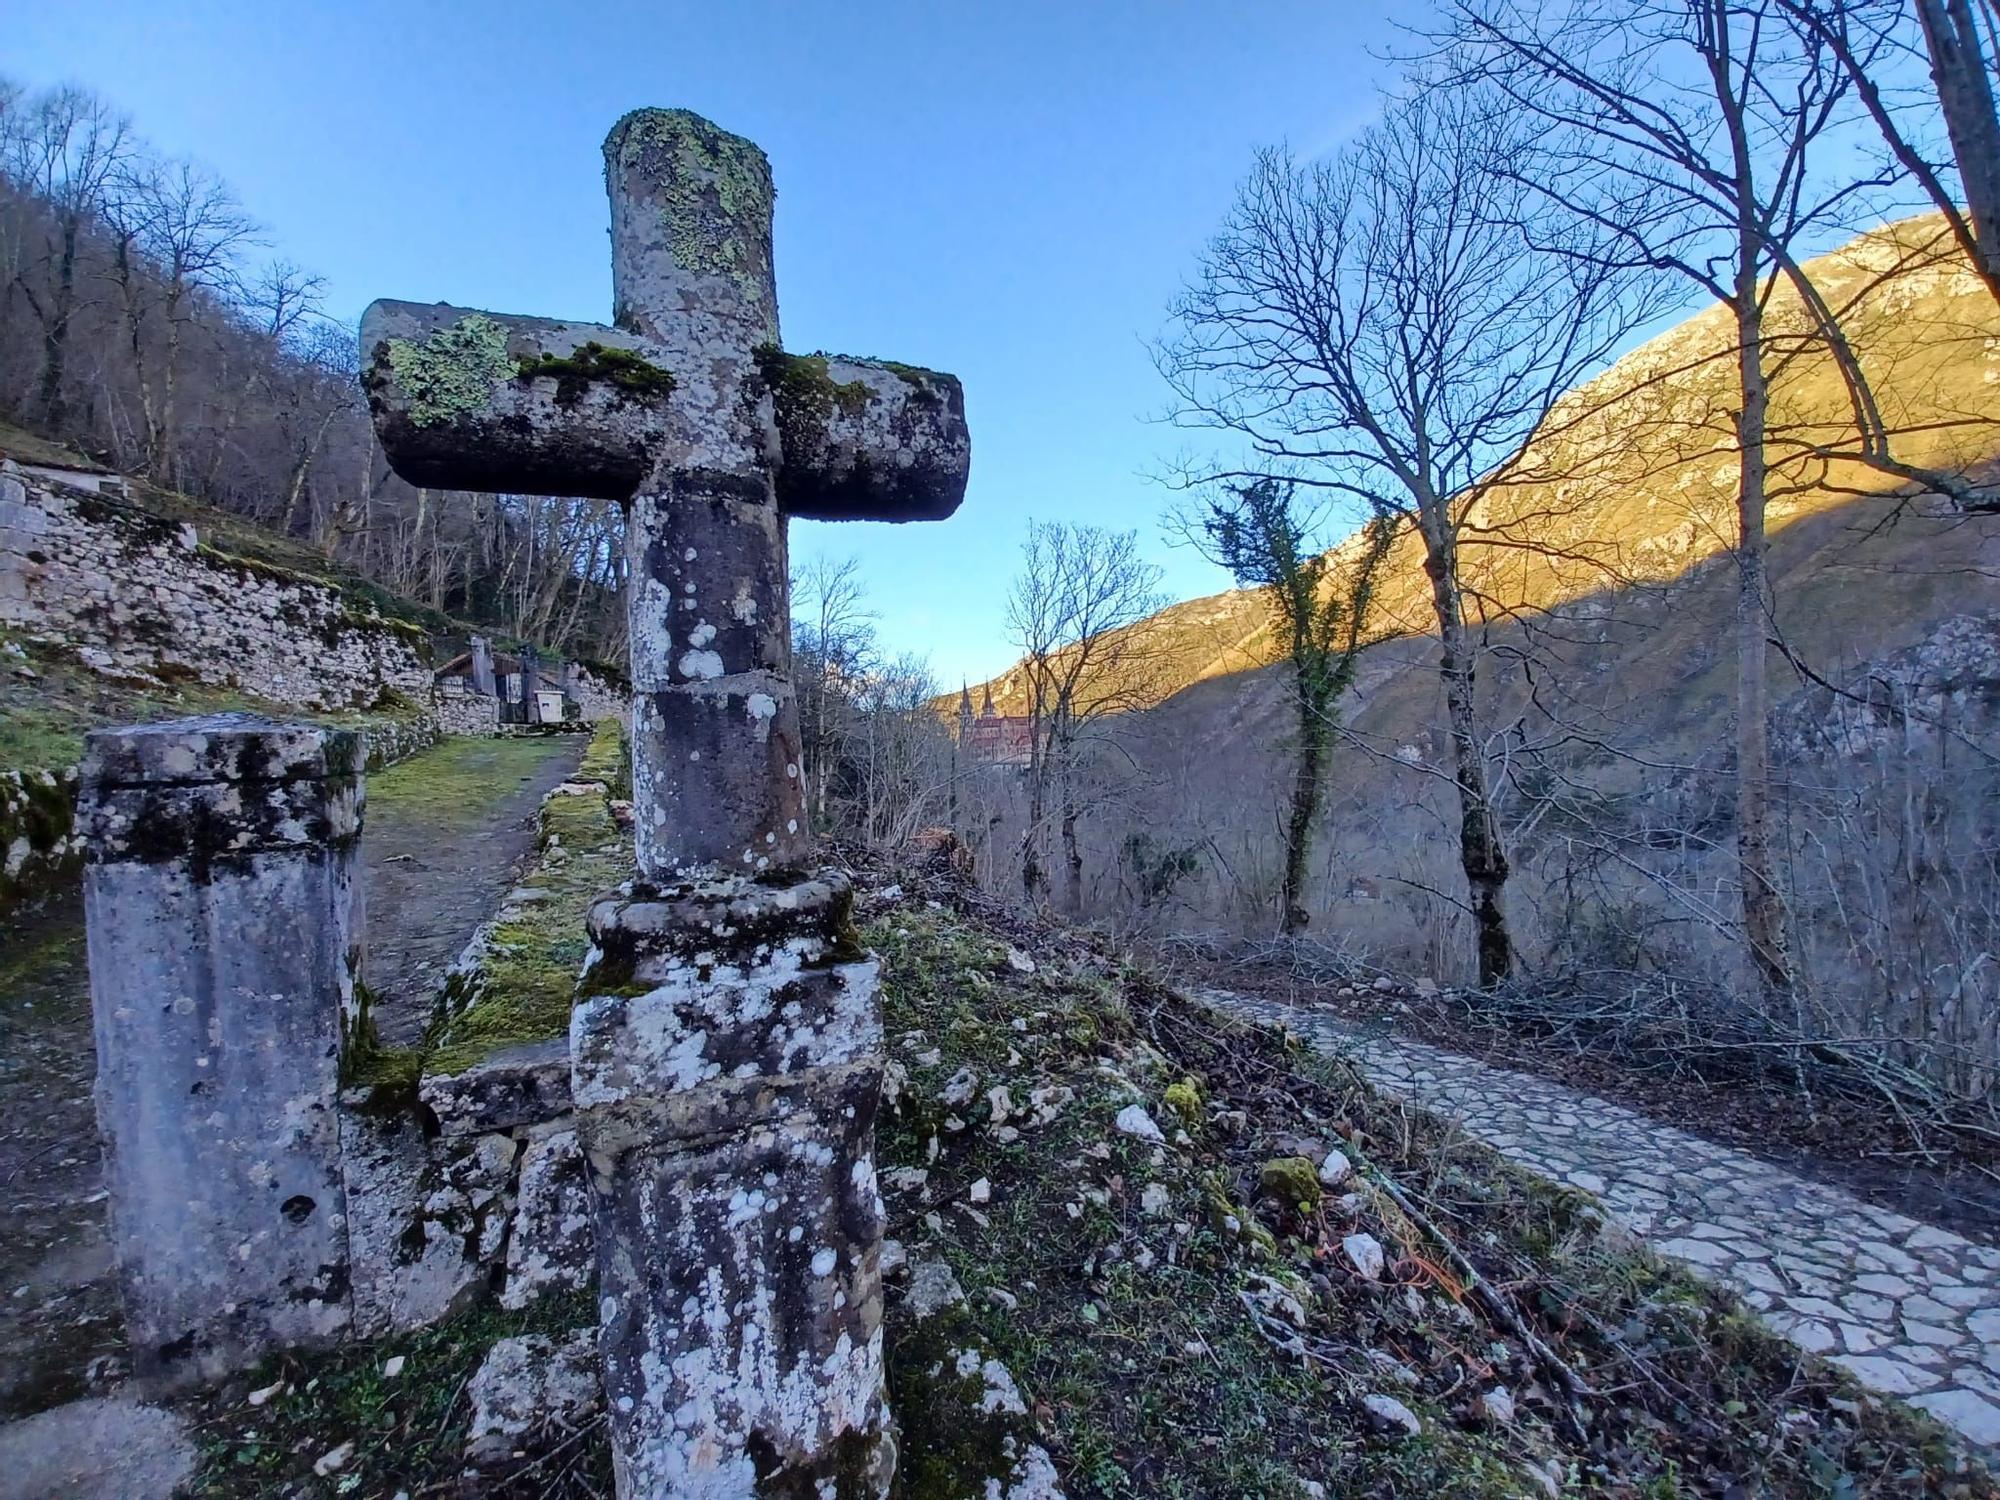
x: 713, y: 189
x: 450, y: 372
x: 593, y: 364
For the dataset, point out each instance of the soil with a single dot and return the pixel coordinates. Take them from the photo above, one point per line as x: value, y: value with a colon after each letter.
x: 1950, y: 1179
x: 446, y: 833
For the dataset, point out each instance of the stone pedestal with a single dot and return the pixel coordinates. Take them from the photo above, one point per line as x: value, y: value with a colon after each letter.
x: 727, y: 1064
x: 224, y: 922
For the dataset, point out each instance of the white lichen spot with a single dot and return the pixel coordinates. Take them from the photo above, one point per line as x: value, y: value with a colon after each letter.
x: 701, y: 635
x: 823, y: 1262
x: 701, y: 664
x: 761, y: 706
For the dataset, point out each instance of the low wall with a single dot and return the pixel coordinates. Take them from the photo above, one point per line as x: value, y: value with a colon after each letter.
x: 133, y: 592
x: 39, y: 849
x: 466, y: 713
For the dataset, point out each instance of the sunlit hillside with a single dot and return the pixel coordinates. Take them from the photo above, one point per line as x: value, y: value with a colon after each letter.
x: 1634, y: 478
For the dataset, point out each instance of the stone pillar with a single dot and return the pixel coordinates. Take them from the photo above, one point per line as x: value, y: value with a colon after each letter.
x: 531, y: 671
x: 482, y: 667
x: 224, y: 923
x: 726, y: 1097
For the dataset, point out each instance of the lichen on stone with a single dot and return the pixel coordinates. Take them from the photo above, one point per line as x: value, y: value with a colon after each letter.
x: 805, y: 396
x: 713, y: 188
x: 451, y: 371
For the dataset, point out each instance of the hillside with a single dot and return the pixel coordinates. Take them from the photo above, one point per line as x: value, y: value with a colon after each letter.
x: 1635, y: 482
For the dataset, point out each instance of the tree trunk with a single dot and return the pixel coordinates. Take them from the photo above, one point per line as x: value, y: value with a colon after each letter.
x: 1313, y: 738
x: 1763, y: 909
x: 1482, y: 852
x: 1958, y: 67
x: 1072, y: 853
x: 55, y: 334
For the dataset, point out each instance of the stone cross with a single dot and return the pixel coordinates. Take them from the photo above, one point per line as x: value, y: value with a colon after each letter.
x: 726, y: 1047
x: 688, y: 411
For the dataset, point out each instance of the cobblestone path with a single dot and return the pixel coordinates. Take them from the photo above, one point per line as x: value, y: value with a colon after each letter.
x: 1912, y: 1310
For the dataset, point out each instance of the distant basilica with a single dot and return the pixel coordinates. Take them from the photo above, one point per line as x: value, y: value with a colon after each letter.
x: 1000, y: 739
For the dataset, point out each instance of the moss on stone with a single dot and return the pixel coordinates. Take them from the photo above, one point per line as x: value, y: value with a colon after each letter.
x: 804, y: 395
x: 450, y: 372
x: 1292, y: 1181
x: 1184, y: 1099
x: 593, y: 364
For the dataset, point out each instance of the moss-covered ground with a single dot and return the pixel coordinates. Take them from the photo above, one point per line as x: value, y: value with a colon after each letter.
x: 524, y: 981
x: 49, y: 700
x: 1184, y: 1321
x: 407, y: 1429
x: 1181, y: 1315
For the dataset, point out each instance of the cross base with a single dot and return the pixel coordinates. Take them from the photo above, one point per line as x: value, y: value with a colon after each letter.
x: 726, y: 1065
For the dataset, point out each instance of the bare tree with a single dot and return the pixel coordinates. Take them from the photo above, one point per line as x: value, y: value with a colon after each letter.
x: 1264, y: 534
x: 1079, y: 589
x: 177, y: 233
x: 70, y: 148
x: 1395, y: 324
x: 833, y: 643
x: 1719, y: 117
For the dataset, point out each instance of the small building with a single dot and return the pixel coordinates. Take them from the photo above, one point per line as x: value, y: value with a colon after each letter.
x: 526, y: 690
x: 991, y: 737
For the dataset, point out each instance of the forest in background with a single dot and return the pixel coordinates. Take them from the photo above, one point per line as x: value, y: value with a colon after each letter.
x: 146, y: 322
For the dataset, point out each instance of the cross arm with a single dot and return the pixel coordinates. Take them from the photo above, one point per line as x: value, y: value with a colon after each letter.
x: 866, y: 439
x: 472, y: 400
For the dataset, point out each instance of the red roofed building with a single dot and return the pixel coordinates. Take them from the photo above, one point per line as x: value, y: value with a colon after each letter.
x: 1000, y: 739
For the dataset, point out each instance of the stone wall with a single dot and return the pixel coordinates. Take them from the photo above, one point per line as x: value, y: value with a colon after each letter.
x: 39, y: 848
x: 466, y: 713
x: 598, y: 694
x: 136, y: 593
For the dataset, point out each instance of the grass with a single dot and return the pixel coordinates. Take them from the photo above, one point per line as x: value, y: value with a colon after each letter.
x: 44, y: 716
x: 408, y: 1430
x: 1116, y: 1278
x: 1123, y: 1318
x: 455, y: 782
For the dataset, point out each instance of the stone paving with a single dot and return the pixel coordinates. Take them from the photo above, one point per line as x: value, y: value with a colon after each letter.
x: 1912, y: 1310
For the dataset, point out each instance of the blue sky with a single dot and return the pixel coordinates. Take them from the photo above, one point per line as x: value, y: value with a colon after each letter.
x: 1010, y: 191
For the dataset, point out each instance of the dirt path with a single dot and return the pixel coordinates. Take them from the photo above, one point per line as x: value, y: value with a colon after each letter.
x: 462, y: 813
x: 446, y: 831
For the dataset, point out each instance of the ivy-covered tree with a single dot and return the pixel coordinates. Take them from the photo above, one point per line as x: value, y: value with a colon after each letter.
x: 1263, y: 533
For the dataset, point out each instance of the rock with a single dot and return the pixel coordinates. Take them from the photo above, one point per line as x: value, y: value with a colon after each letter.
x: 1290, y: 1180
x: 1385, y: 985
x: 1134, y: 1121
x: 1390, y: 1368
x: 111, y: 1448
x: 981, y: 1191
x: 393, y: 1366
x: 551, y: 1245
x: 894, y: 1259
x: 1428, y: 988
x: 530, y: 1391
x: 1274, y: 1299
x: 1000, y: 1102
x: 333, y: 1460
x: 1387, y: 1414
x: 1364, y: 1253
x: 959, y: 1089
x: 1335, y: 1169
x: 1497, y: 1407
x: 933, y: 1288
x: 1000, y: 1297
x: 1233, y: 1123
x: 1019, y: 962
x: 1154, y: 1200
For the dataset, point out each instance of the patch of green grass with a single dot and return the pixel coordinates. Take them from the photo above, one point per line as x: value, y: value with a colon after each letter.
x: 526, y: 980
x: 408, y: 1430
x: 456, y: 783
